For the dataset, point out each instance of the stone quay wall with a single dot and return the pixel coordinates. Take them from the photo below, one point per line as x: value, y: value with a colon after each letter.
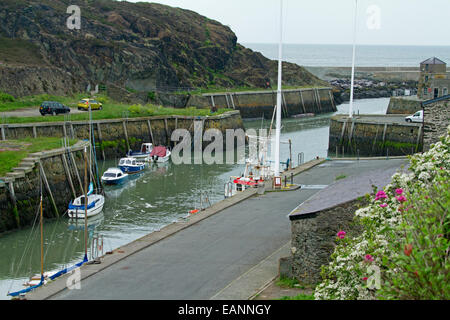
x: 437, y: 116
x: 62, y: 174
x: 113, y: 138
x: 373, y: 138
x: 259, y: 104
x: 404, y: 105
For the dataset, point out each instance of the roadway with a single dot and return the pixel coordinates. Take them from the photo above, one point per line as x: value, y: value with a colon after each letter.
x: 199, y: 261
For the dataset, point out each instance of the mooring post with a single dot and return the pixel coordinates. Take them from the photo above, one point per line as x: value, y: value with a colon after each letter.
x: 150, y: 131
x: 3, y: 133
x: 336, y: 151
x: 292, y: 178
x: 126, y: 134
x: 47, y: 186
x: 167, y: 132
x: 34, y: 132
x: 100, y: 138
x: 69, y: 177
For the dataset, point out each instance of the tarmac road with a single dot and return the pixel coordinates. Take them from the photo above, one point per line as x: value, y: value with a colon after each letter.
x: 203, y: 259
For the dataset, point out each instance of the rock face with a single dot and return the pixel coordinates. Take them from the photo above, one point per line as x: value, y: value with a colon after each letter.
x: 140, y: 46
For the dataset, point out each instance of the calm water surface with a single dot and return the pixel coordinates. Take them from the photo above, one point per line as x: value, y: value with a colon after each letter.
x: 161, y: 195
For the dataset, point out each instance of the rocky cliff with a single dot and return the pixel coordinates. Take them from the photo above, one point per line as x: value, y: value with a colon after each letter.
x: 139, y: 46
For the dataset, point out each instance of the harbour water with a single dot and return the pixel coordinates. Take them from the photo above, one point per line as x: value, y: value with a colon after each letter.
x: 163, y: 194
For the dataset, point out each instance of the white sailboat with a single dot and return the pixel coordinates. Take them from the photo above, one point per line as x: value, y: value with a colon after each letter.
x: 80, y: 208
x: 259, y: 167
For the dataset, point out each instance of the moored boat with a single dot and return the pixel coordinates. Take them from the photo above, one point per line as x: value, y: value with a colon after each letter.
x: 143, y: 154
x: 114, y: 176
x: 160, y: 154
x: 131, y: 165
x: 78, y: 210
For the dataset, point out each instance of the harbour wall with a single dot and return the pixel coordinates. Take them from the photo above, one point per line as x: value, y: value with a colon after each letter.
x: 62, y: 174
x: 404, y: 105
x: 251, y: 104
x: 371, y: 136
x: 259, y: 104
x: 114, y: 137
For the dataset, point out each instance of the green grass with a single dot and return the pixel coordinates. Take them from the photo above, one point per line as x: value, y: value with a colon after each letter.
x: 299, y: 297
x: 11, y: 159
x: 289, y: 283
x: 340, y: 177
x: 111, y: 109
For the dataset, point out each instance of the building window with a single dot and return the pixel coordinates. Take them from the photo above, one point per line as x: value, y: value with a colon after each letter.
x: 444, y: 91
x: 426, y: 78
x: 425, y: 91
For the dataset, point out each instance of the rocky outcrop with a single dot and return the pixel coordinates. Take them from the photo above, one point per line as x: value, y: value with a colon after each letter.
x: 143, y: 47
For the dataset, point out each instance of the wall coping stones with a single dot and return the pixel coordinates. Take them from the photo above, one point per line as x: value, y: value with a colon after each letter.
x: 343, y: 191
x: 263, y: 92
x: 120, y: 120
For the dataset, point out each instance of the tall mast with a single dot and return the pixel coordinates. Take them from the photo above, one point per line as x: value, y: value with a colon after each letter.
x: 85, y: 202
x: 42, y: 238
x: 278, y: 113
x: 350, y: 112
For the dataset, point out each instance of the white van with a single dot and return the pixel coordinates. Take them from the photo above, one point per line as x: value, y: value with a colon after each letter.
x: 416, y: 117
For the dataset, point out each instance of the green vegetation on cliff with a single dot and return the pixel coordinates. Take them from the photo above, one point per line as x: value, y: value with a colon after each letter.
x: 141, y: 46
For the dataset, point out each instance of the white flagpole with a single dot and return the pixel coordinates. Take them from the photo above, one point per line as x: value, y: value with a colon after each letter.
x: 278, y: 114
x: 350, y: 112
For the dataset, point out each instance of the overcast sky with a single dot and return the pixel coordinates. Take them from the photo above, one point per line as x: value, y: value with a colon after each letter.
x: 392, y: 22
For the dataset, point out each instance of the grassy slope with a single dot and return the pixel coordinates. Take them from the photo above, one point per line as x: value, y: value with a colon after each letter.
x: 111, y: 109
x: 11, y: 159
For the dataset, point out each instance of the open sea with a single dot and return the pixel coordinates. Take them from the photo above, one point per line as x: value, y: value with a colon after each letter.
x: 324, y: 55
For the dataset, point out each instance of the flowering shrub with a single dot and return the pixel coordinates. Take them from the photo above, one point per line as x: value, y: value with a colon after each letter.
x: 403, y: 250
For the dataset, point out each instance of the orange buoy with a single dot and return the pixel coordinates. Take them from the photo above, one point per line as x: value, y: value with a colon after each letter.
x: 194, y: 211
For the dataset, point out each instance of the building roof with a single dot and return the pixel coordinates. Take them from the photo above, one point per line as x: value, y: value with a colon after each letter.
x: 433, y: 60
x: 345, y: 190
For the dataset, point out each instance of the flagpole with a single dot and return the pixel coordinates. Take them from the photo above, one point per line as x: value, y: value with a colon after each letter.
x: 278, y: 113
x: 350, y: 112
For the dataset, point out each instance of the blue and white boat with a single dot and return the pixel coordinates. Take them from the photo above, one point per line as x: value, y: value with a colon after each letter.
x: 143, y: 154
x: 95, y: 205
x: 131, y: 165
x: 114, y: 176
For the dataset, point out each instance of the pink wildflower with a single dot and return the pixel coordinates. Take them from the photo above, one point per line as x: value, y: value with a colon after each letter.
x: 401, y: 198
x: 383, y: 205
x: 380, y: 195
x: 365, y: 278
x: 368, y: 257
x: 341, y: 234
x: 399, y: 191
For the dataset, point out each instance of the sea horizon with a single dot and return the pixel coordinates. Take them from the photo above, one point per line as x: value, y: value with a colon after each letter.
x: 340, y: 55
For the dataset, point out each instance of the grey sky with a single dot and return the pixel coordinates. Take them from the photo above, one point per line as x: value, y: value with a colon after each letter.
x: 402, y: 22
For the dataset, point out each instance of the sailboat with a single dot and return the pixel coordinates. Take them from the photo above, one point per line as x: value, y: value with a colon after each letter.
x: 261, y: 163
x: 38, y: 280
x: 89, y: 204
x: 81, y: 208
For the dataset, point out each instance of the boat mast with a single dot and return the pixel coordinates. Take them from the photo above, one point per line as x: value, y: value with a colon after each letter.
x: 42, y: 237
x: 278, y: 115
x: 85, y: 202
x: 350, y: 112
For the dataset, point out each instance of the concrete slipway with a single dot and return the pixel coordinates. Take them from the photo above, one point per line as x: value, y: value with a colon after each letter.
x: 228, y: 251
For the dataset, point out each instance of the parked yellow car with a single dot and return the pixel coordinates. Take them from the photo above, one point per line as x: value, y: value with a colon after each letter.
x: 84, y: 104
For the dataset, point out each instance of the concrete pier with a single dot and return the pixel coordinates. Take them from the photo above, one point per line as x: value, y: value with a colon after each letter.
x: 228, y: 251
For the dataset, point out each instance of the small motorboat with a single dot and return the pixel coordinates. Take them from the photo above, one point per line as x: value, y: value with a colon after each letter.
x: 160, y: 154
x: 114, y: 176
x: 95, y: 203
x: 143, y: 154
x: 131, y: 165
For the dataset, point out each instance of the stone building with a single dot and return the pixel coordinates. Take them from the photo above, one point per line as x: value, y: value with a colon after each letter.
x: 434, y: 80
x: 316, y: 222
x: 436, y: 120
